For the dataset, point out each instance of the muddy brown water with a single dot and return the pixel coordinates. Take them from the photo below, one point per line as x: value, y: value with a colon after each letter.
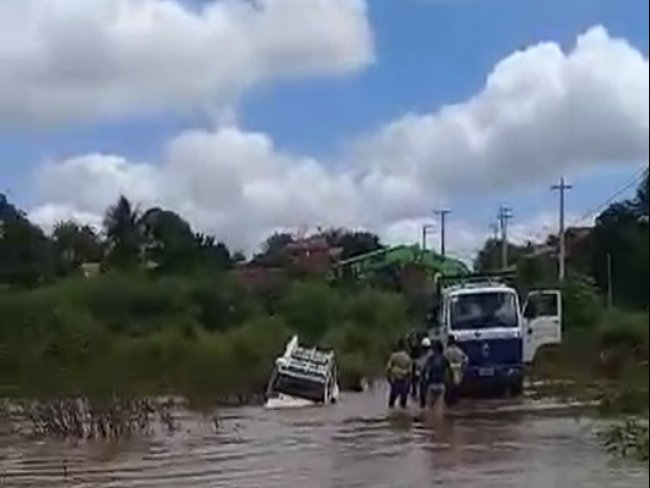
x: 505, y: 443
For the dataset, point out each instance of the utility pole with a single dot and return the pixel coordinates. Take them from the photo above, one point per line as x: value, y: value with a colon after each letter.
x: 504, y: 215
x: 426, y: 229
x: 561, y: 188
x: 443, y: 217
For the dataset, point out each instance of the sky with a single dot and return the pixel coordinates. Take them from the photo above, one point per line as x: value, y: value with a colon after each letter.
x: 253, y: 116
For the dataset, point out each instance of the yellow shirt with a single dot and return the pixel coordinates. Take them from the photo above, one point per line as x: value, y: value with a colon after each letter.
x: 457, y: 360
x: 399, y: 366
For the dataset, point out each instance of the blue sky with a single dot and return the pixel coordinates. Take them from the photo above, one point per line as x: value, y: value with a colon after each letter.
x: 435, y: 52
x: 427, y: 54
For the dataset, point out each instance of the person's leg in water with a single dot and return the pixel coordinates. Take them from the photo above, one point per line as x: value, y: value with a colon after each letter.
x: 404, y: 388
x: 424, y: 394
x: 399, y: 390
x: 392, y: 394
x: 415, y: 382
x: 451, y: 393
x: 437, y: 393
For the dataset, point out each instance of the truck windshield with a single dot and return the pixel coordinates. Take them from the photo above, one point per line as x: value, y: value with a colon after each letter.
x: 483, y: 311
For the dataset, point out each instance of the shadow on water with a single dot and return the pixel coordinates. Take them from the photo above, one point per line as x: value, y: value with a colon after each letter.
x: 354, y: 444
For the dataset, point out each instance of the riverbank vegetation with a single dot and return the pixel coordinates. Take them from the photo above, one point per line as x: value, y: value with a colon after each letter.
x: 164, y: 309
x: 148, y: 306
x: 197, y: 335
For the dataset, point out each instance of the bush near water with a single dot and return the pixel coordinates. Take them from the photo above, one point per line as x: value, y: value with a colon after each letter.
x: 194, y: 335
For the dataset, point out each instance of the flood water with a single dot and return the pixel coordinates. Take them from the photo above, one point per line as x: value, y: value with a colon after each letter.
x: 500, y: 444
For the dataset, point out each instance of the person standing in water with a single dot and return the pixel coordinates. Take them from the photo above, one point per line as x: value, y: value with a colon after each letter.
x: 458, y: 362
x: 418, y: 366
x: 398, y: 371
x: 435, y: 377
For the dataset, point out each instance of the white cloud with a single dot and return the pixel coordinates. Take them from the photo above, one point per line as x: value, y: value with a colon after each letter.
x: 49, y: 214
x: 227, y: 181
x: 71, y: 60
x: 239, y: 186
x: 463, y: 239
x: 541, y: 112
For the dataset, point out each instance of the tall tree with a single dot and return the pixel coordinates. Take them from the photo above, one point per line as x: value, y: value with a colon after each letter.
x: 169, y: 240
x: 353, y: 243
x: 75, y: 244
x: 25, y: 251
x: 620, y: 245
x: 273, y: 250
x: 214, y: 253
x: 489, y: 257
x: 124, y: 234
x: 276, y: 243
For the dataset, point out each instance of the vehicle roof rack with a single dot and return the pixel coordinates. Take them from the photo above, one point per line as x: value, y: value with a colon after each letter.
x: 493, y: 278
x: 305, y: 362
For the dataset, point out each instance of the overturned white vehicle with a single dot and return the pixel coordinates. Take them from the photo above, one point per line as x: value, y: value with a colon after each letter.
x: 303, y: 377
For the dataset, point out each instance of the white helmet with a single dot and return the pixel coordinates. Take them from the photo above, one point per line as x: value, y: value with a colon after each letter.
x: 426, y: 342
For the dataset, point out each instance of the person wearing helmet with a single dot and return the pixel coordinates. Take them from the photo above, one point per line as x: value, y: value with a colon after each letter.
x: 424, y: 348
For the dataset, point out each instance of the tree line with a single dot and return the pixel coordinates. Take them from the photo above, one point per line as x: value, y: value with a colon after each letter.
x: 130, y: 238
x: 165, y: 314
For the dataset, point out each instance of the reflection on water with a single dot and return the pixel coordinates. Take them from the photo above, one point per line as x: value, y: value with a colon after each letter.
x: 353, y: 444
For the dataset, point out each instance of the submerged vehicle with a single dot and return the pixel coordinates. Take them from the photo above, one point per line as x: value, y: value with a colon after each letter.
x: 303, y: 377
x: 498, y: 336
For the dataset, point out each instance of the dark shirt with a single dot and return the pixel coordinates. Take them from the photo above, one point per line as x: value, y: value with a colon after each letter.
x: 436, y: 369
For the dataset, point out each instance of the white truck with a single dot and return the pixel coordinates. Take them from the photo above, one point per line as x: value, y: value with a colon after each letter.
x: 497, y: 334
x: 303, y: 377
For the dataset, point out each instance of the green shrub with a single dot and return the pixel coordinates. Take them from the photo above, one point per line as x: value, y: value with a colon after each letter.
x: 220, y: 303
x: 46, y: 342
x: 311, y: 308
x: 353, y: 369
x: 125, y: 303
x: 201, y: 335
x: 582, y: 305
x: 625, y: 330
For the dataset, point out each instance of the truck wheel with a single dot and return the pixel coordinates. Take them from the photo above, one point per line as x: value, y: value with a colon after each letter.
x: 517, y: 389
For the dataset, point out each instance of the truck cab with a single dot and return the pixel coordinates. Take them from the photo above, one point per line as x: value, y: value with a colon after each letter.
x: 498, y: 335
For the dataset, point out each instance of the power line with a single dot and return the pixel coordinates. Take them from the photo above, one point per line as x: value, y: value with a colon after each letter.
x: 636, y: 179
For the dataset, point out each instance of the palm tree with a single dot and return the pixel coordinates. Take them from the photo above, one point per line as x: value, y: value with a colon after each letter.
x: 124, y: 233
